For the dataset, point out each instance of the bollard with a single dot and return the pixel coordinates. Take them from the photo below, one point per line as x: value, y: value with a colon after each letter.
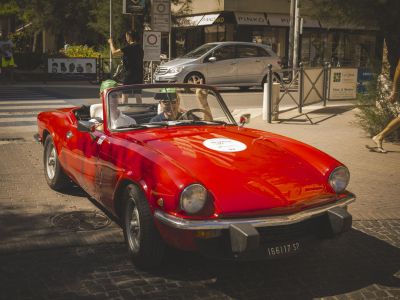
x: 267, y: 96
x: 276, y: 89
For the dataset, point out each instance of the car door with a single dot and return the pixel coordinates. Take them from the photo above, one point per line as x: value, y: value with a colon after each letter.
x: 81, y: 155
x: 251, y: 64
x: 223, y: 71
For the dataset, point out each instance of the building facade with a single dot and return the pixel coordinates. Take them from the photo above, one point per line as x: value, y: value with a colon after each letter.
x: 267, y: 22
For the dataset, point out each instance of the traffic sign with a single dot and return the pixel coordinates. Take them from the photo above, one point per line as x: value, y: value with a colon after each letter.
x: 133, y: 6
x: 151, y: 45
x: 161, y: 15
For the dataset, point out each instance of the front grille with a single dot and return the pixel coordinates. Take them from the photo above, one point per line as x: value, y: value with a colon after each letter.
x: 308, y: 228
x: 161, y: 70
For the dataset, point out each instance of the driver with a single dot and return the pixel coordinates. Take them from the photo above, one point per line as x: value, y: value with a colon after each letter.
x: 169, y: 104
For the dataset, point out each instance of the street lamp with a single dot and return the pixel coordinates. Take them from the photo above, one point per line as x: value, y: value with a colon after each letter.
x: 110, y: 34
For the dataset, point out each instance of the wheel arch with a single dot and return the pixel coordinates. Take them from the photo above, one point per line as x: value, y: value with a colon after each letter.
x: 118, y: 199
x: 195, y: 72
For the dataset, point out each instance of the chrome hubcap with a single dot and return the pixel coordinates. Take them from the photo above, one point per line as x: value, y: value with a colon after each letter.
x: 134, y: 229
x: 51, y: 163
x: 194, y: 79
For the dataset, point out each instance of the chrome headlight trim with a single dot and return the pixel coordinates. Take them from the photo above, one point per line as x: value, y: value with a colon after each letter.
x: 175, y: 70
x: 193, y: 198
x: 339, y: 179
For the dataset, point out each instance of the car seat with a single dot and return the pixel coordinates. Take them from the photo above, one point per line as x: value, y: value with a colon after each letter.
x: 96, y: 111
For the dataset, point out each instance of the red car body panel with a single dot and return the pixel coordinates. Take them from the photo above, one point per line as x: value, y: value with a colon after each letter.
x: 273, y: 175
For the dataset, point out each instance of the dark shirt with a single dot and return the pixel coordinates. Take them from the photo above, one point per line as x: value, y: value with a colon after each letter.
x: 159, y: 118
x: 132, y: 57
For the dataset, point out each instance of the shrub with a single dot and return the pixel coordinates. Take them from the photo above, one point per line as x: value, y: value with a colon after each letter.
x: 81, y: 51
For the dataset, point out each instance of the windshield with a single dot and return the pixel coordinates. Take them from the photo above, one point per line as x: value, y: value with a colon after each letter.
x: 196, y: 53
x: 166, y: 105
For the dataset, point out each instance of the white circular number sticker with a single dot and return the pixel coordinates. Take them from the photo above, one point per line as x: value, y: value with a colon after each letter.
x: 224, y: 145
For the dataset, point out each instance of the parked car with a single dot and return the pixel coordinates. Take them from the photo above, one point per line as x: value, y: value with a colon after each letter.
x: 238, y: 64
x: 180, y: 171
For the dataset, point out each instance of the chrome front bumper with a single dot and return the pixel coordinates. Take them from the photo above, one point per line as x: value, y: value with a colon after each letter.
x: 185, y: 224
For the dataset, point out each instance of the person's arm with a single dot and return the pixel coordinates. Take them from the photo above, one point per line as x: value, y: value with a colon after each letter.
x: 112, y: 47
x: 396, y: 83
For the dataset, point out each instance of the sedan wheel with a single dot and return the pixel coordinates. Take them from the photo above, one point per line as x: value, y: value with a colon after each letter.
x: 195, y: 78
x: 144, y: 243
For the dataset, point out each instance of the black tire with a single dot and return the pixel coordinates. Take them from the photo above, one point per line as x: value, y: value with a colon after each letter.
x: 194, y: 77
x: 53, y: 172
x: 145, y: 245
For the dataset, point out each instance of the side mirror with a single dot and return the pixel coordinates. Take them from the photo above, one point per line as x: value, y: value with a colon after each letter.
x: 212, y: 59
x: 86, y: 126
x: 244, y: 119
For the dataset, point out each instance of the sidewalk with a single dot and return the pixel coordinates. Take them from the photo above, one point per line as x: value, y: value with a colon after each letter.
x: 374, y: 176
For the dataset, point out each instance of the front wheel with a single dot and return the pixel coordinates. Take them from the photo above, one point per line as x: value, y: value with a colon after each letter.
x: 145, y: 246
x: 195, y: 78
x: 53, y: 172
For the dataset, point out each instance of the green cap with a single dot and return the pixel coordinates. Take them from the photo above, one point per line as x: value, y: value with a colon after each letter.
x: 107, y: 84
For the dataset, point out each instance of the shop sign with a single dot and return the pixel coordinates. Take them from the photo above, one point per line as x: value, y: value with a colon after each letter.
x: 343, y: 83
x: 250, y: 19
x: 188, y: 21
x: 71, y: 65
x: 161, y: 15
x: 278, y: 20
x: 208, y: 19
x: 133, y: 6
x: 151, y: 45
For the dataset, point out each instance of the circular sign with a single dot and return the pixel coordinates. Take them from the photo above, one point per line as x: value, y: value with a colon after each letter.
x: 152, y: 39
x: 224, y: 145
x: 161, y: 8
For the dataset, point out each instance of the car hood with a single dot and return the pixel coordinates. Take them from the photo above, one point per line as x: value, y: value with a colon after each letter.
x: 264, y: 173
x: 178, y: 62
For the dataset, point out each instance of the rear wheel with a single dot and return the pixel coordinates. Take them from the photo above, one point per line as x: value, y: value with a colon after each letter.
x: 53, y: 172
x: 194, y: 78
x: 144, y: 243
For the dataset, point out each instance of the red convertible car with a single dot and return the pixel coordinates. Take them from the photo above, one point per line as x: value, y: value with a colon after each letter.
x: 174, y: 167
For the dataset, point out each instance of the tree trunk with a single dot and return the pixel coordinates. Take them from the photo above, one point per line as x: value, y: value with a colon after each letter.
x: 393, y: 47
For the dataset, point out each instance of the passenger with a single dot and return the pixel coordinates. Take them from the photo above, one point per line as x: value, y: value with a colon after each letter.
x: 117, y: 118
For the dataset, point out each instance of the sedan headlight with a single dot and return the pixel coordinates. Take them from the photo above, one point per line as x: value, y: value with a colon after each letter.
x: 175, y: 70
x: 339, y: 179
x: 193, y: 198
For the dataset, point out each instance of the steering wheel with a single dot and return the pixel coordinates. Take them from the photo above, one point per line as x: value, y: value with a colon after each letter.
x: 190, y: 112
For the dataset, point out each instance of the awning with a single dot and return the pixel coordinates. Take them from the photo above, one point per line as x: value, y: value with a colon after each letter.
x: 284, y: 20
x: 201, y: 20
x: 250, y: 19
x: 188, y: 21
x: 208, y: 19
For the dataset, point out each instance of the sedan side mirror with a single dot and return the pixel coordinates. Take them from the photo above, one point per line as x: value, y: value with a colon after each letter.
x: 244, y: 119
x: 86, y: 126
x: 212, y: 59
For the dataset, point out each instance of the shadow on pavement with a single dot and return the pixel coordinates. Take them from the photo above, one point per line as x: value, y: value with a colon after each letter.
x: 356, y: 263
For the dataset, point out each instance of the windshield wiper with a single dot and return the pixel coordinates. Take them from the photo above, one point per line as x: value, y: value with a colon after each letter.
x: 132, y: 126
x: 201, y: 122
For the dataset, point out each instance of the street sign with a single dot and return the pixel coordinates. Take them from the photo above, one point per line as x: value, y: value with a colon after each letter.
x: 161, y: 15
x: 151, y: 45
x: 133, y: 6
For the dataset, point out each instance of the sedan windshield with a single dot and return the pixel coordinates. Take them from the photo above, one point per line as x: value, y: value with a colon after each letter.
x: 196, y: 53
x: 130, y: 108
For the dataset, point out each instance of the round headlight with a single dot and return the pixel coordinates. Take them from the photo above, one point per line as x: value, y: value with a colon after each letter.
x: 339, y: 179
x: 193, y: 198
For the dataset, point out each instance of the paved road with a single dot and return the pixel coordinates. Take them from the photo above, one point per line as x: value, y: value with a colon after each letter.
x: 61, y: 246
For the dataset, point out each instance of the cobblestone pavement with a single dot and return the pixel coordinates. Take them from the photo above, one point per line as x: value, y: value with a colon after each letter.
x: 363, y: 264
x: 49, y: 249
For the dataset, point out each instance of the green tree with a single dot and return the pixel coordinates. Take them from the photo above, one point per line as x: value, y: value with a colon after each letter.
x: 382, y: 13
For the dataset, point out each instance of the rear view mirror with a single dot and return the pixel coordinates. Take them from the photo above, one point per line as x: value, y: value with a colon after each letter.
x: 244, y: 119
x: 212, y: 59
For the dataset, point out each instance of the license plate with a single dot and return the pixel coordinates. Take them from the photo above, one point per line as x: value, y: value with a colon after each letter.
x: 284, y: 249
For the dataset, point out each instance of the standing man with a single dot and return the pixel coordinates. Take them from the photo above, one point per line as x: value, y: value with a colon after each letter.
x: 132, y: 59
